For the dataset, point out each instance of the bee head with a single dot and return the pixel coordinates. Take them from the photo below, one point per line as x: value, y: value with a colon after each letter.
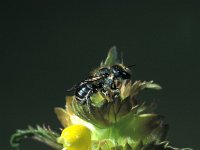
x: 120, y: 71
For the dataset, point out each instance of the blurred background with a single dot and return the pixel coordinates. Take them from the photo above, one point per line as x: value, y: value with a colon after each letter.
x: 47, y: 46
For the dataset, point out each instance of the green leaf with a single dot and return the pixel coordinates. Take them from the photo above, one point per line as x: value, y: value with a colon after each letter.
x: 112, y: 57
x: 41, y: 134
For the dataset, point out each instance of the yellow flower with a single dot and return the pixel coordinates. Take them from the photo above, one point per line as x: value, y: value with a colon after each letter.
x: 76, y: 137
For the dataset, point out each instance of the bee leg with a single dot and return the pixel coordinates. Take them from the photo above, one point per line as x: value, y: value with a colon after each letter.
x: 80, y: 100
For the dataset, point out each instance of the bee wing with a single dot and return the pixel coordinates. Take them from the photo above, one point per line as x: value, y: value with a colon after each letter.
x: 92, y: 73
x: 92, y: 79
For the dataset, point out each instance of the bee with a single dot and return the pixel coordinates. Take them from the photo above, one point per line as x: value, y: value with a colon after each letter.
x: 113, y: 76
x: 105, y: 80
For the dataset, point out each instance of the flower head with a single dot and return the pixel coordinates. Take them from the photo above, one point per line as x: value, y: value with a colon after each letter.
x: 119, y: 122
x: 111, y: 119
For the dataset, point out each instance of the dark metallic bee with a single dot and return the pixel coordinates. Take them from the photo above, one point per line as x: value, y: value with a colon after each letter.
x: 104, y: 80
x: 113, y: 76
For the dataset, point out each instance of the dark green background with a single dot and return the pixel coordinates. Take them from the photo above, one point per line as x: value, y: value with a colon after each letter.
x: 47, y: 46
